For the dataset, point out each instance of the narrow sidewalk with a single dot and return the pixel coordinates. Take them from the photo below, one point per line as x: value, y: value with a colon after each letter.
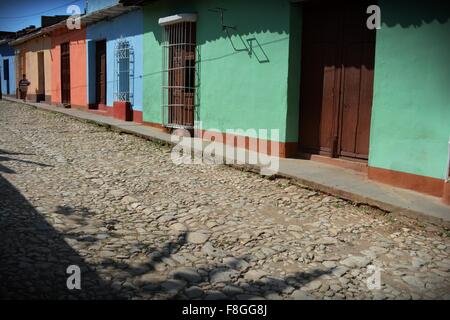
x: 345, y: 183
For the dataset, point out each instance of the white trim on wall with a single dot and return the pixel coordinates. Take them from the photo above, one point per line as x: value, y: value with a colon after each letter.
x: 181, y: 17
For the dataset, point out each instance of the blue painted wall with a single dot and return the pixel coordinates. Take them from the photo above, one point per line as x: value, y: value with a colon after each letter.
x: 94, y: 5
x: 127, y: 27
x: 6, y: 52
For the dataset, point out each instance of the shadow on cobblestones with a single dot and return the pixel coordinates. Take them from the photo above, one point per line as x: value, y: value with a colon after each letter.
x: 155, y: 256
x: 68, y: 210
x: 2, y: 151
x: 34, y: 256
x: 225, y: 280
x: 3, y: 158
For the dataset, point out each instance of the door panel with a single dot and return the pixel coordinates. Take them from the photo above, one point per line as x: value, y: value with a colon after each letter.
x: 357, y: 78
x: 350, y: 98
x: 366, y: 99
x: 319, y: 58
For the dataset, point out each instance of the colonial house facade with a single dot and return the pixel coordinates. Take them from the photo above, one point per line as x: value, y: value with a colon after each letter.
x: 33, y: 59
x: 114, y: 63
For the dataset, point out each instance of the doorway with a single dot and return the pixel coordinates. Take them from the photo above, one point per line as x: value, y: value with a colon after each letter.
x: 338, y: 53
x: 40, y: 95
x: 100, y: 72
x: 65, y: 73
x: 6, y: 75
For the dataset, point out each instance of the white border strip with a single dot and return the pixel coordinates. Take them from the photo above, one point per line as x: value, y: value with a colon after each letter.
x: 182, y: 17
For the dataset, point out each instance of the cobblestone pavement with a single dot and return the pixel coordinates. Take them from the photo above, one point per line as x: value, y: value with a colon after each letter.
x: 142, y: 227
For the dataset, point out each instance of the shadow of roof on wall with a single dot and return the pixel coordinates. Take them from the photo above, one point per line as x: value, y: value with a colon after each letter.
x: 415, y: 13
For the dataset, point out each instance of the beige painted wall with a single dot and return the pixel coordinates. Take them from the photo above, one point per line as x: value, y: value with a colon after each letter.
x: 30, y: 50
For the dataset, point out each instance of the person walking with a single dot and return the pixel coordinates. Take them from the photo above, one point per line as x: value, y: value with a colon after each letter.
x: 23, y: 87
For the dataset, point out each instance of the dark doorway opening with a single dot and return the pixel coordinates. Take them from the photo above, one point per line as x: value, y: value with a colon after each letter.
x: 40, y: 95
x: 100, y: 72
x: 338, y: 52
x: 6, y: 75
x: 65, y: 73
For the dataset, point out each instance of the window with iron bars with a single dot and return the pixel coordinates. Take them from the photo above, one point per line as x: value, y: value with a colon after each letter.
x: 179, y: 75
x: 124, y: 71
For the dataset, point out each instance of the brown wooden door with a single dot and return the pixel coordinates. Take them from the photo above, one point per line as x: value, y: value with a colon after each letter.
x: 181, y: 74
x: 100, y: 70
x: 65, y: 73
x: 337, y: 80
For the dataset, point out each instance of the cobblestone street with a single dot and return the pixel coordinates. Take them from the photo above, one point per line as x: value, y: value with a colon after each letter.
x: 141, y: 227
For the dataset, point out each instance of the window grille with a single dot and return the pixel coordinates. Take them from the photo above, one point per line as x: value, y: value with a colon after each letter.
x: 179, y: 75
x: 124, y: 71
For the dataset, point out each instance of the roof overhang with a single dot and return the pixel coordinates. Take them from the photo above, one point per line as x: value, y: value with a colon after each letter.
x: 106, y: 13
x: 85, y: 20
x: 25, y: 38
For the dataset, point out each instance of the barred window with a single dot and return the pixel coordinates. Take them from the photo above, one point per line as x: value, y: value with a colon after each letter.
x: 179, y: 72
x: 124, y: 53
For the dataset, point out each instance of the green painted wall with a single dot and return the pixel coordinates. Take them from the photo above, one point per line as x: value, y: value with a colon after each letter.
x: 411, y: 108
x: 236, y: 90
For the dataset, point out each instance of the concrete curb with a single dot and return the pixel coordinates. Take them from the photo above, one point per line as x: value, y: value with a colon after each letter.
x: 358, y: 199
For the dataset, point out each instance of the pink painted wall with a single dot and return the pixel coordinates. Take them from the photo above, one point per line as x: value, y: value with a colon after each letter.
x: 77, y: 40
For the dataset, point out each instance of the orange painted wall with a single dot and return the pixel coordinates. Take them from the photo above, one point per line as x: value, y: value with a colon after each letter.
x: 27, y: 62
x: 78, y: 85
